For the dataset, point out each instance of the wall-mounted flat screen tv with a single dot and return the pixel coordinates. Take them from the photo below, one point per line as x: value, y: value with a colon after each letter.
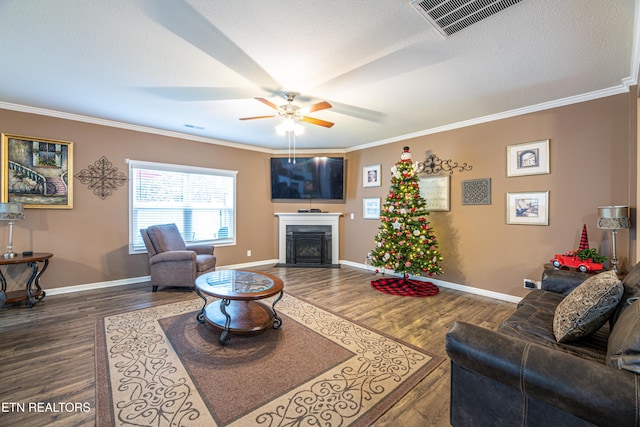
x: 317, y: 178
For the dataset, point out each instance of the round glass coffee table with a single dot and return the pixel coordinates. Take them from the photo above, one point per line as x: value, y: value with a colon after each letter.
x: 239, y: 310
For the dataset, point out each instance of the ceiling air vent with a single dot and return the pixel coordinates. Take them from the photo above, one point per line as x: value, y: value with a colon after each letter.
x: 451, y: 16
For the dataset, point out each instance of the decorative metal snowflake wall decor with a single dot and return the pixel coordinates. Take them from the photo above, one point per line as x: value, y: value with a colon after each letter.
x: 102, y: 178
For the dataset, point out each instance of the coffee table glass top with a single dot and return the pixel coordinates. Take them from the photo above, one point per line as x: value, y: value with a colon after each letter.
x: 234, y: 282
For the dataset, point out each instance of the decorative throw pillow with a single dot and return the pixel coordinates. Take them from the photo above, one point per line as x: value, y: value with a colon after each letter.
x: 623, y: 349
x: 585, y: 309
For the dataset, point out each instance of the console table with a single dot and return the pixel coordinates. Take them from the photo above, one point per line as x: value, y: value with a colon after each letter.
x: 33, y: 292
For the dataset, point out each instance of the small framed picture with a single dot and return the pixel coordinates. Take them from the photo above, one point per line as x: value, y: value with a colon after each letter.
x: 528, y: 208
x: 371, y: 176
x: 371, y: 208
x: 531, y: 158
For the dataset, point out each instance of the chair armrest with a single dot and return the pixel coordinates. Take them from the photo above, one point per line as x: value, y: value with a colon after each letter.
x: 589, y: 390
x: 562, y: 281
x: 173, y: 256
x: 202, y: 249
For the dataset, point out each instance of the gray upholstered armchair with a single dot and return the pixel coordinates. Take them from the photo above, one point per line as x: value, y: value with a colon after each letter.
x: 171, y: 261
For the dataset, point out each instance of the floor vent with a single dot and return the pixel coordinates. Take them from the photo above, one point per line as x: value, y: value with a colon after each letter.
x: 451, y: 16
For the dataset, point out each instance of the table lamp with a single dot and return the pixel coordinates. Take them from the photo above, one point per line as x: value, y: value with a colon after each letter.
x: 10, y: 212
x: 613, y: 218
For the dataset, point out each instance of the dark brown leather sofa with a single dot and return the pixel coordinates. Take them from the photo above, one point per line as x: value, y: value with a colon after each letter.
x: 520, y: 375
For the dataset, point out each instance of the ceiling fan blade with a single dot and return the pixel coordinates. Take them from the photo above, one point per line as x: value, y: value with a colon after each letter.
x: 257, y: 117
x: 315, y: 121
x: 316, y: 107
x: 187, y: 23
x: 358, y: 112
x: 193, y: 93
x: 269, y: 103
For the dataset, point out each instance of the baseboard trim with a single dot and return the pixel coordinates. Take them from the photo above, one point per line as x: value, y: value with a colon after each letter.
x: 96, y: 285
x: 142, y: 279
x: 444, y: 284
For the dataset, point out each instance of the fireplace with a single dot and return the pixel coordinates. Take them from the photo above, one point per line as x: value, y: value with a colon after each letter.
x: 309, y: 245
x: 308, y: 239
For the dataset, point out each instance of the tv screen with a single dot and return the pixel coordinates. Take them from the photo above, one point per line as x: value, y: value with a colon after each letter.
x: 320, y: 178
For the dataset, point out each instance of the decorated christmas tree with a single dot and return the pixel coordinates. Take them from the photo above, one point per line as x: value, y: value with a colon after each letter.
x: 405, y: 242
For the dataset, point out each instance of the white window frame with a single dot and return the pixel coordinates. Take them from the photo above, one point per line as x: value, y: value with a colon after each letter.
x: 139, y: 164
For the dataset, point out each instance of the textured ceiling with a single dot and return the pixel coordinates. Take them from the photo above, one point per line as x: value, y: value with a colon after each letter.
x: 195, y: 66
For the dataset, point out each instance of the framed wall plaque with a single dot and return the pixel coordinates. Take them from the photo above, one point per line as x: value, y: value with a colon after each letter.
x: 371, y: 208
x: 435, y: 191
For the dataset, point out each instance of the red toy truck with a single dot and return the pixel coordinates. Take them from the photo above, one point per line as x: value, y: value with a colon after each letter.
x: 570, y: 259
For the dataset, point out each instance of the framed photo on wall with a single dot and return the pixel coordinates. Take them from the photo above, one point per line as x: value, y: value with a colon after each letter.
x: 371, y: 176
x: 531, y: 158
x: 371, y: 208
x: 37, y: 172
x: 528, y: 208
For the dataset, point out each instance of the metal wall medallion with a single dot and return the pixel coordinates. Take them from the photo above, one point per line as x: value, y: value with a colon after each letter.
x: 476, y: 191
x: 102, y: 178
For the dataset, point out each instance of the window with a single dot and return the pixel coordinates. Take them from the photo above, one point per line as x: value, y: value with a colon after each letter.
x: 200, y: 201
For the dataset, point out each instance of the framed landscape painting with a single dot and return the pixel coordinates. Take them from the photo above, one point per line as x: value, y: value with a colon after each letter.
x: 37, y: 172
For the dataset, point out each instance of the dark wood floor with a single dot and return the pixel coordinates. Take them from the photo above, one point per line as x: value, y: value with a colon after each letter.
x: 47, y: 352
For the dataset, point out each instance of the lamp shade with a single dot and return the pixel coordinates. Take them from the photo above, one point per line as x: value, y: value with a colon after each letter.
x: 613, y: 217
x: 11, y: 211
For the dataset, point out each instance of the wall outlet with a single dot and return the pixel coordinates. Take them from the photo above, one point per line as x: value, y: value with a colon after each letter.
x: 530, y: 284
x: 248, y: 252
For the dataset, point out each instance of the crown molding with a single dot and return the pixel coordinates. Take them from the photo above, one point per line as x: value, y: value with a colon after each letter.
x: 128, y: 126
x: 616, y: 90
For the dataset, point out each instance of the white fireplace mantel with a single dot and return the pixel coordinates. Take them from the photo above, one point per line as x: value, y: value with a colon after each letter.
x: 315, y: 218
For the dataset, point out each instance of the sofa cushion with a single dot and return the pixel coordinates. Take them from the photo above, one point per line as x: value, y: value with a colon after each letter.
x: 588, y: 307
x: 631, y: 284
x: 623, y: 349
x: 533, y: 322
x: 562, y: 281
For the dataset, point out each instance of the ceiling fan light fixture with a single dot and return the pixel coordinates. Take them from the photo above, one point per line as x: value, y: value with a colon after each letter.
x: 289, y: 125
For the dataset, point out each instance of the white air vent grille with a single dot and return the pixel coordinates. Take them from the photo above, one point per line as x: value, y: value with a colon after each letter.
x: 451, y: 16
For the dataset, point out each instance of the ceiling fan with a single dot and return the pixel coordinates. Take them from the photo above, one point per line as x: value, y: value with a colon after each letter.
x: 293, y: 112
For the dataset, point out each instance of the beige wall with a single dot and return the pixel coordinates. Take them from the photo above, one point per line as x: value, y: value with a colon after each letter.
x: 592, y: 157
x: 593, y: 163
x: 90, y: 241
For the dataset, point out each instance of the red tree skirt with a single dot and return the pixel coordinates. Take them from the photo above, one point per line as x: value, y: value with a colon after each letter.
x: 405, y: 287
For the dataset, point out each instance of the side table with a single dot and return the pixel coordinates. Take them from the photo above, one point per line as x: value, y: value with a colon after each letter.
x: 33, y: 292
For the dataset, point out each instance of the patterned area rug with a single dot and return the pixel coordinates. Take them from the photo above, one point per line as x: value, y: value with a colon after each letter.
x: 405, y: 287
x: 160, y: 367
